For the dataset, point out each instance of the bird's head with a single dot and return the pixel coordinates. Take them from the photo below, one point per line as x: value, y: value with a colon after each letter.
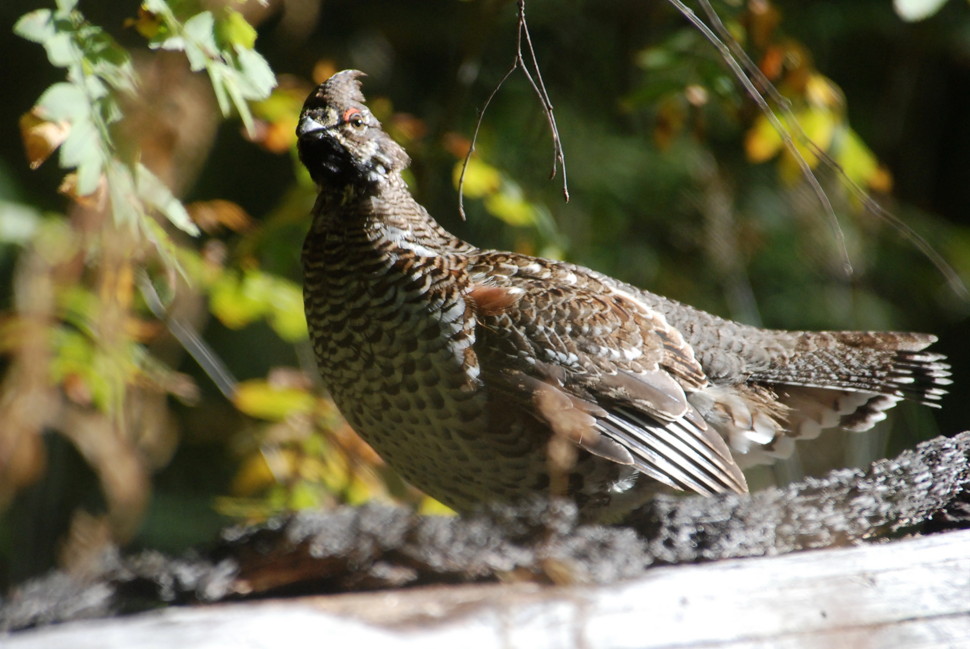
x: 340, y: 142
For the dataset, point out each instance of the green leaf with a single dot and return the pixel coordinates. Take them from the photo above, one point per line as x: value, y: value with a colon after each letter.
x: 198, y: 57
x: 156, y: 6
x: 234, y: 90
x: 108, y: 61
x: 81, y: 146
x: 157, y: 195
x: 233, y: 304
x: 18, y: 223
x: 36, y: 26
x: 200, y: 29
x: 235, y: 30
x: 511, y: 207
x: 66, y: 6
x: 62, y: 50
x: 217, y: 76
x: 89, y: 175
x: 240, y: 300
x: 121, y: 189
x: 481, y: 178
x: 264, y: 400
x: 95, y: 87
x: 257, y: 74
x: 173, y: 43
x: 63, y: 102
x: 287, y: 316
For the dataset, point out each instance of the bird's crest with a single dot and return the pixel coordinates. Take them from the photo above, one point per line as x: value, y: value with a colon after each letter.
x: 342, y: 88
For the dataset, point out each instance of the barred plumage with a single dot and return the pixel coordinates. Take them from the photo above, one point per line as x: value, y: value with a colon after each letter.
x: 461, y: 366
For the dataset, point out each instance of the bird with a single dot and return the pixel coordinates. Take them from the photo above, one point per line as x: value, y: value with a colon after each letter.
x: 484, y: 376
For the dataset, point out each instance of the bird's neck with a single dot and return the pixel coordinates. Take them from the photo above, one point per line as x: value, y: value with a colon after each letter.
x: 384, y: 213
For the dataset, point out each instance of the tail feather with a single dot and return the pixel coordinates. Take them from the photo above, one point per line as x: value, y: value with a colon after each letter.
x: 881, y: 363
x: 846, y: 380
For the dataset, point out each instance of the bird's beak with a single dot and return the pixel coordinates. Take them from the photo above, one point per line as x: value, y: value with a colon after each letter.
x: 308, y: 125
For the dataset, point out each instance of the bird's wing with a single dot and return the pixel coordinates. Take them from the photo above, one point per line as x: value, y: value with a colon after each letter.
x: 598, y: 366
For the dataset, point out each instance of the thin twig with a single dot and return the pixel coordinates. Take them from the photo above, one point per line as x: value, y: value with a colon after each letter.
x: 471, y: 148
x: 538, y: 86
x: 765, y: 107
x: 197, y: 348
x: 734, y: 54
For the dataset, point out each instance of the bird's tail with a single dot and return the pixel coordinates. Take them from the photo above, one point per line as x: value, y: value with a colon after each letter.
x: 834, y: 379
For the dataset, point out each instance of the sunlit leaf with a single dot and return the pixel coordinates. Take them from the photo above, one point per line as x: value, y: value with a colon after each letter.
x: 481, y: 178
x: 41, y: 137
x: 253, y: 475
x: 915, y: 10
x: 860, y: 164
x: 215, y: 214
x: 822, y: 92
x: 511, y: 207
x: 818, y: 125
x: 148, y: 23
x: 762, y: 142
x: 287, y: 316
x: 89, y: 174
x: 82, y: 145
x: 61, y: 49
x: 431, y: 507
x: 258, y: 76
x: 233, y: 301
x: 261, y: 399
x: 157, y: 195
x: 200, y: 29
x: 240, y: 300
x: 63, y: 101
x: 234, y: 91
x: 36, y: 26
x: 18, y: 223
x: 235, y: 30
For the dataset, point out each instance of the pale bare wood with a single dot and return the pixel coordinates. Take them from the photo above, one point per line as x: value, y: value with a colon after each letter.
x: 904, y: 595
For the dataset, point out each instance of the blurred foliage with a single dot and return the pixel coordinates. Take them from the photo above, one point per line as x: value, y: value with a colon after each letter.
x: 168, y: 264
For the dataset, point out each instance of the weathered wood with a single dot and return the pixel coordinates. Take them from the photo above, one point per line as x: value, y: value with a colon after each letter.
x: 905, y: 594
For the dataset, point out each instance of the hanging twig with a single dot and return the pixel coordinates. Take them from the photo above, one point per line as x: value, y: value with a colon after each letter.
x: 534, y: 77
x: 197, y: 348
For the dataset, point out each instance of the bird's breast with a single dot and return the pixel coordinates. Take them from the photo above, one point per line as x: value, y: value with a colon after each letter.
x: 394, y: 341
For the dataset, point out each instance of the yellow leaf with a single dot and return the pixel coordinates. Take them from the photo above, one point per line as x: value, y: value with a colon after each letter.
x: 511, y: 208
x: 232, y: 304
x: 821, y: 92
x: 235, y: 30
x: 762, y: 142
x: 263, y: 400
x: 253, y: 476
x: 818, y: 125
x: 481, y: 178
x: 147, y: 24
x: 431, y: 507
x: 860, y: 164
x: 287, y: 316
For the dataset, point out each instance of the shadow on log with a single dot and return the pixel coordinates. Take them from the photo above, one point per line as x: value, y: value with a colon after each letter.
x: 923, y: 491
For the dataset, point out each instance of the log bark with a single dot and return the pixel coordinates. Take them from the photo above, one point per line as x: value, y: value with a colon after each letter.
x: 923, y: 494
x: 906, y: 594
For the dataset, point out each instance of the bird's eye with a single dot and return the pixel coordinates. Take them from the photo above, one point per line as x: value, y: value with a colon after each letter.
x: 354, y: 117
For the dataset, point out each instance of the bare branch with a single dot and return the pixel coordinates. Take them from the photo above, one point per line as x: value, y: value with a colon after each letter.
x: 534, y: 77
